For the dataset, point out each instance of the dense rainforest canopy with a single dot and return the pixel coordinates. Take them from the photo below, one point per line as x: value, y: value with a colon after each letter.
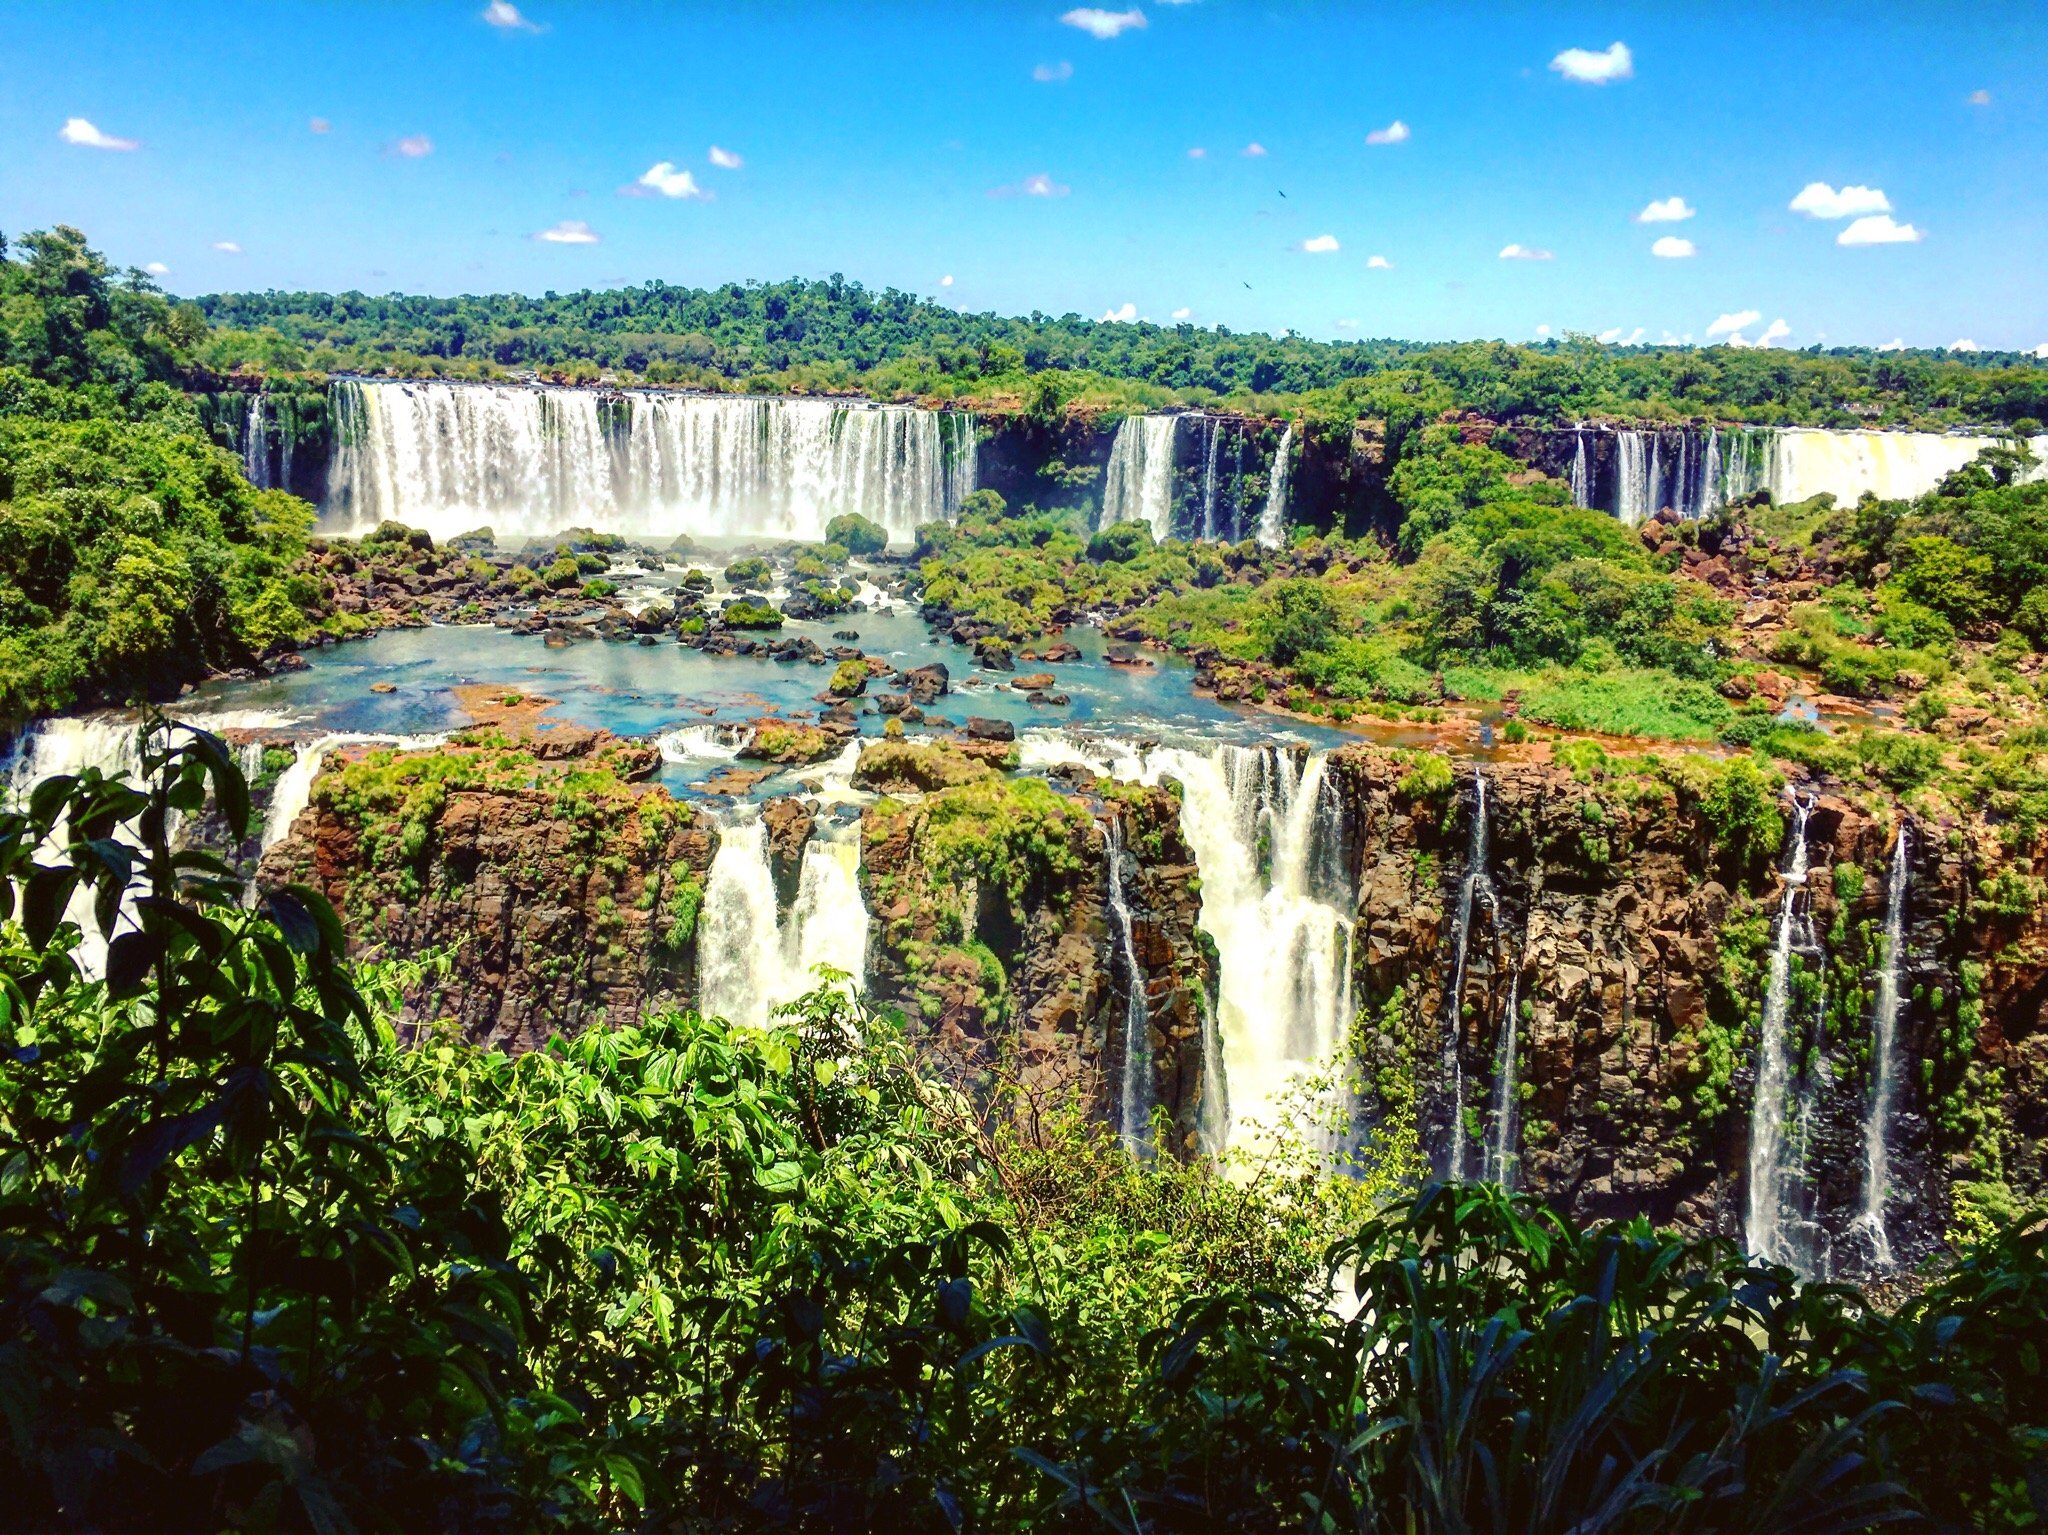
x: 836, y: 334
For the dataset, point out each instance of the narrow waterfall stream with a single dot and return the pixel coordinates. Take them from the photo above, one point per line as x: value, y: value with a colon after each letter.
x: 1582, y: 471
x: 1884, y: 1055
x: 1135, y: 1095
x: 1138, y: 486
x: 1503, y: 1148
x: 1273, y: 519
x: 1474, y: 887
x: 1777, y: 1228
x: 750, y: 957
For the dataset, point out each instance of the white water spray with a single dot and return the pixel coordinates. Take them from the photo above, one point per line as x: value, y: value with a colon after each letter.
x: 750, y: 958
x: 1139, y: 484
x: 1776, y: 1228
x: 1884, y: 1055
x: 1273, y: 519
x: 1135, y: 1095
x: 1473, y: 888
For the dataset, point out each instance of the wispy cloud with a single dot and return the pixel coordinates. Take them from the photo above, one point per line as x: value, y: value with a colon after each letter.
x: 1347, y: 325
x: 1047, y: 74
x: 1733, y: 321
x: 417, y: 147
x: 502, y: 13
x: 1183, y: 313
x: 1040, y: 185
x: 665, y: 179
x: 1666, y: 210
x: 1671, y: 248
x: 1126, y: 314
x: 1319, y: 245
x: 1378, y: 264
x: 1896, y: 344
x: 77, y: 130
x: 1254, y: 150
x: 1818, y: 200
x: 1596, y: 67
x: 1614, y: 336
x: 724, y: 159
x: 318, y: 125
x: 1980, y: 98
x: 1518, y: 252
x: 1395, y: 132
x: 227, y: 247
x: 1880, y: 229
x: 568, y: 232
x: 1198, y: 153
x: 1104, y: 24
x: 946, y: 281
x: 157, y: 269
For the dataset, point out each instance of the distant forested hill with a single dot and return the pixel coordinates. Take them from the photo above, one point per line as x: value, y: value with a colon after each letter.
x: 837, y: 334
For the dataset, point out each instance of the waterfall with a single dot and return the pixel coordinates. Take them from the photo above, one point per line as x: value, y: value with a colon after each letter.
x: 1633, y: 491
x: 1777, y: 1228
x: 1582, y: 470
x: 1889, y: 465
x: 69, y: 745
x: 1273, y: 520
x: 1267, y: 832
x: 293, y: 790
x: 1884, y: 1055
x: 1503, y: 1152
x: 1134, y: 1103
x: 1213, y: 440
x: 1139, y: 484
x: 1475, y: 886
x: 530, y: 461
x: 256, y: 444
x: 750, y: 958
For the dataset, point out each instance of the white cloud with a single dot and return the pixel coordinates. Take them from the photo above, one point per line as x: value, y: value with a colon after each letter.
x: 1183, y: 313
x: 1395, y: 132
x: 1980, y: 98
x: 724, y: 159
x: 1666, y: 210
x: 1198, y: 153
x: 1671, y: 248
x: 1611, y: 335
x: 1378, y: 264
x: 1777, y: 330
x: 1596, y: 67
x: 662, y: 179
x: 77, y: 130
x: 502, y: 13
x: 229, y: 247
x: 1542, y: 330
x: 1040, y: 185
x: 946, y: 281
x: 1964, y: 345
x: 1127, y: 313
x: 1347, y: 325
x: 1896, y: 344
x: 1879, y: 229
x: 1818, y: 200
x: 1254, y: 150
x: 417, y: 147
x: 1046, y: 74
x: 157, y: 269
x: 1105, y: 24
x: 568, y: 232
x: 2040, y: 351
x: 317, y: 125
x: 1319, y: 245
x: 1727, y: 324
x: 1517, y: 252
x: 1614, y: 337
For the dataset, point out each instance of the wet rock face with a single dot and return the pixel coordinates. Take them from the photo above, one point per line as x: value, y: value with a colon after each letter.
x: 1636, y: 955
x: 1013, y: 982
x: 552, y: 916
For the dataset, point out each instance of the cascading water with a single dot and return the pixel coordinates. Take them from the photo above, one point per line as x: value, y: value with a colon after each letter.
x: 1778, y: 1227
x: 1266, y: 829
x: 293, y: 790
x: 751, y: 958
x: 530, y: 461
x: 1213, y: 435
x: 256, y: 444
x: 1696, y: 471
x: 1135, y: 1095
x: 70, y: 745
x: 1139, y: 484
x: 1884, y: 1055
x: 1473, y: 888
x: 1503, y: 1154
x: 1273, y: 519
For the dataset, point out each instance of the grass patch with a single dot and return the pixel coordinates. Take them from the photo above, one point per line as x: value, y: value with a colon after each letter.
x: 1647, y: 703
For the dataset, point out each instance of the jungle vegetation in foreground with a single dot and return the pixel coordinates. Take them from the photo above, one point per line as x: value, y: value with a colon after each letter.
x: 269, y: 1262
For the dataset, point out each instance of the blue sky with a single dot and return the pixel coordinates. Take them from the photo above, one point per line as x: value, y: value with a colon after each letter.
x: 904, y: 144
